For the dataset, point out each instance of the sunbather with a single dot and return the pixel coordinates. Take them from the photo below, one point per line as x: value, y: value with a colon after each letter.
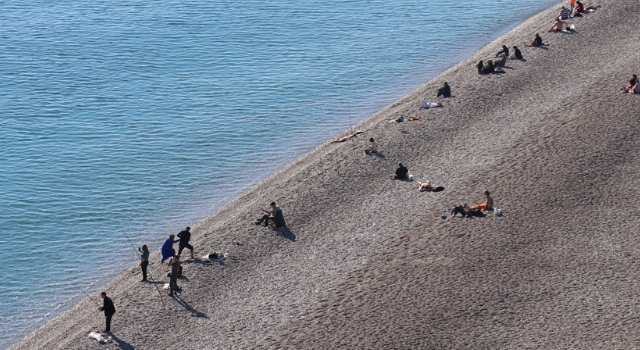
x: 425, y: 186
x: 346, y: 138
x: 559, y: 26
x: 488, y: 205
x: 426, y: 104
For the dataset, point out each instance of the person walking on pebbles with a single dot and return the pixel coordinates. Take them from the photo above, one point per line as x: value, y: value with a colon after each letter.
x: 185, y: 236
x: 109, y: 309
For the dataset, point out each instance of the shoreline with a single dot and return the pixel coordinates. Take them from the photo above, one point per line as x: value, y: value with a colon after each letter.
x: 354, y: 191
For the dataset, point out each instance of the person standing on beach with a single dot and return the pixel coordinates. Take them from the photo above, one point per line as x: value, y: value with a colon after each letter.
x: 144, y: 261
x: 444, y: 91
x: 175, y: 271
x: 185, y: 236
x: 109, y: 309
x: 573, y: 4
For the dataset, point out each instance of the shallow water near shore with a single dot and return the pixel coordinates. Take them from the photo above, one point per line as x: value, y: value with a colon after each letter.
x: 130, y: 121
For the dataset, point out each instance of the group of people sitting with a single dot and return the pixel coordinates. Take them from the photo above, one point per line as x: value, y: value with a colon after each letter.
x: 492, y: 67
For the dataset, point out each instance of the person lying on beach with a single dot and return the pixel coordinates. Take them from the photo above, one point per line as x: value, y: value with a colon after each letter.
x: 427, y: 104
x: 373, y: 148
x: 346, y: 138
x: 488, y: 205
x: 402, y: 173
x: 411, y: 119
x: 505, y: 50
x: 425, y: 186
x: 444, y: 91
x: 537, y: 41
x: 517, y: 55
x: 559, y: 26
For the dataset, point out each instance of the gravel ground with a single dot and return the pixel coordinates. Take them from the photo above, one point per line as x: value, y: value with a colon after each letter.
x: 368, y: 262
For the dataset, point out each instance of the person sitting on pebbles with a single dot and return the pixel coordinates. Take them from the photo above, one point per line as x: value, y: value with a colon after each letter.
x: 559, y: 26
x: 274, y: 214
x: 402, y: 173
x: 373, y: 148
x: 488, y: 205
x: 517, y: 54
x: 537, y: 41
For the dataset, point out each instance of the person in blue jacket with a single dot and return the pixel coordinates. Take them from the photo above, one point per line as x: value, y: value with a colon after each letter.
x: 167, y: 248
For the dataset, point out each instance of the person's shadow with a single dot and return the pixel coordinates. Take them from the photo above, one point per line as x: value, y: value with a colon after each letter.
x: 121, y: 343
x: 284, y: 232
x: 184, y: 304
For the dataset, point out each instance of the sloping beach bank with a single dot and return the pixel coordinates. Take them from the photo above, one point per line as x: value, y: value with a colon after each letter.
x: 369, y: 263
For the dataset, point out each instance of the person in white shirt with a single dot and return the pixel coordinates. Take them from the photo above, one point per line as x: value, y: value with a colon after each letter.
x: 373, y: 148
x: 427, y: 104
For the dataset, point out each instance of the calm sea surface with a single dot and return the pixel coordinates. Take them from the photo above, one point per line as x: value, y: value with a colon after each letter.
x: 150, y: 115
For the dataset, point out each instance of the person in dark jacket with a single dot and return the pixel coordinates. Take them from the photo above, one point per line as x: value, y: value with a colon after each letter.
x: 167, y: 248
x: 401, y: 172
x: 504, y: 50
x: 175, y: 272
x: 109, y: 310
x: 185, y: 236
x: 537, y: 41
x: 144, y: 261
x: 444, y: 91
x: 480, y: 67
x: 516, y: 54
x: 274, y: 214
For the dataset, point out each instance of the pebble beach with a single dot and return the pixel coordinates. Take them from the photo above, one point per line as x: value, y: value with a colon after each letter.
x: 368, y: 262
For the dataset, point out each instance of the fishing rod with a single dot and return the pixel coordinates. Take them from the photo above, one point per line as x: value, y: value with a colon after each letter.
x: 88, y: 296
x: 148, y: 273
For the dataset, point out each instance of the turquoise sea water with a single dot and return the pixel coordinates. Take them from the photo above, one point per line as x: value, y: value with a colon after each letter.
x: 151, y: 115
